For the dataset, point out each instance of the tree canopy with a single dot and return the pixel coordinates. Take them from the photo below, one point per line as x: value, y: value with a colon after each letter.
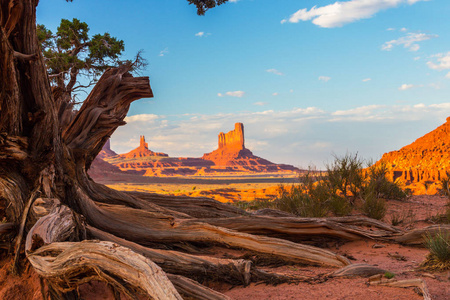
x: 71, y: 52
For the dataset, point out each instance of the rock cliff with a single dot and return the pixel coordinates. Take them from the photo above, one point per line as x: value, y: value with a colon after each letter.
x: 231, y: 157
x: 426, y: 159
x: 232, y: 152
x: 142, y: 151
x: 106, y: 151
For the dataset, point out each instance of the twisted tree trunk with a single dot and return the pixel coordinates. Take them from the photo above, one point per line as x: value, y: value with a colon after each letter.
x: 52, y: 204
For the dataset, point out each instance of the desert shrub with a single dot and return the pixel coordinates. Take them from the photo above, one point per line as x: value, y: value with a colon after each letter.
x: 439, y: 247
x: 339, y: 206
x: 376, y: 179
x: 389, y: 275
x: 298, y: 200
x: 402, y: 217
x: 345, y: 176
x: 373, y: 206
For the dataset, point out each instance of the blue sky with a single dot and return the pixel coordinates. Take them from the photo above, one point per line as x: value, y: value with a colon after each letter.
x: 307, y: 78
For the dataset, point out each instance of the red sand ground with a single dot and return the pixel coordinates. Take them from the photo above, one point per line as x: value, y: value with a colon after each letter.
x: 416, y: 210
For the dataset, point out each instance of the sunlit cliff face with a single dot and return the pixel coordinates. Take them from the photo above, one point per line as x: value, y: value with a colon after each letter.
x: 426, y: 159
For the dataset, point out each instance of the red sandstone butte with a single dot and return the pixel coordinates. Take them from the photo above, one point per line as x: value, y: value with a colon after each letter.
x: 230, y: 157
x: 232, y: 152
x: 142, y: 151
x: 426, y: 159
x: 106, y: 151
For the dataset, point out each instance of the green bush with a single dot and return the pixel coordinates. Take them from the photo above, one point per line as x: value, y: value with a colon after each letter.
x: 373, y: 206
x: 301, y: 203
x: 345, y: 176
x: 339, y: 206
x: 383, y: 188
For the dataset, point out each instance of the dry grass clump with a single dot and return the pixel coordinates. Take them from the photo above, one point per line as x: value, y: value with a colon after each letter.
x: 439, y: 247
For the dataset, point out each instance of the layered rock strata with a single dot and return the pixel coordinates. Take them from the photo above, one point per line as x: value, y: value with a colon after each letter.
x: 426, y: 159
x: 231, y: 157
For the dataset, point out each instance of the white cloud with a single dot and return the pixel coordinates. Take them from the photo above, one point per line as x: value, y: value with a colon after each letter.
x: 260, y: 103
x: 341, y: 13
x: 202, y: 34
x: 366, y: 79
x: 238, y: 94
x: 324, y: 78
x: 405, y: 87
x: 448, y: 75
x: 443, y: 62
x: 390, y: 29
x: 233, y: 1
x: 297, y: 136
x: 164, y: 52
x: 416, y: 58
x: 409, y: 41
x: 142, y: 118
x: 275, y: 94
x: 275, y: 71
x: 404, y: 29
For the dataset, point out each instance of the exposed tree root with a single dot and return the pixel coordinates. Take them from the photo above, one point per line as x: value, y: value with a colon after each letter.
x: 419, y: 283
x: 195, y: 207
x: 416, y: 236
x: 358, y: 270
x: 193, y: 290
x: 6, y: 228
x: 67, y: 265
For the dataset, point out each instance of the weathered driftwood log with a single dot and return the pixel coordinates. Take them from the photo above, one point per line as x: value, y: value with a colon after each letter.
x: 193, y: 290
x: 298, y: 229
x: 357, y: 270
x: 196, y: 207
x: 6, y: 228
x: 233, y: 271
x: 198, y: 267
x: 146, y: 227
x: 60, y: 225
x: 416, y: 236
x: 67, y: 265
x: 416, y: 282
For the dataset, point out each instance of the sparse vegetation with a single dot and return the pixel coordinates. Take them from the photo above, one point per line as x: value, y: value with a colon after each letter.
x: 402, y: 217
x: 389, y: 275
x: 344, y: 186
x: 439, y: 247
x: 373, y: 206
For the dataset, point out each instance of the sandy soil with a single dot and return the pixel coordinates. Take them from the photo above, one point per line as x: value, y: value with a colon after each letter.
x: 401, y: 260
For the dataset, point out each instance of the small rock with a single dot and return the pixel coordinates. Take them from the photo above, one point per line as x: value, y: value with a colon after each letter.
x: 376, y: 246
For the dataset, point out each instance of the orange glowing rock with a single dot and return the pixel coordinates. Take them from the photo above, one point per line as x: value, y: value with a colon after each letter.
x: 142, y: 151
x: 426, y: 159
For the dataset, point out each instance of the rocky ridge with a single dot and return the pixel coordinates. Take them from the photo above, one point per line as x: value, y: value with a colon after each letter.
x: 426, y: 159
x: 230, y: 157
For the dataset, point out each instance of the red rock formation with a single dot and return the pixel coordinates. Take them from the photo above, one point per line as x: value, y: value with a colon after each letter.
x: 106, y: 151
x: 232, y: 152
x: 230, y: 157
x: 426, y: 159
x: 142, y: 151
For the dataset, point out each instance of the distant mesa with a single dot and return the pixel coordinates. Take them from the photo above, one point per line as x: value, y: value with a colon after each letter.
x: 231, y: 157
x: 142, y: 151
x: 106, y: 151
x: 232, y: 152
x: 426, y: 159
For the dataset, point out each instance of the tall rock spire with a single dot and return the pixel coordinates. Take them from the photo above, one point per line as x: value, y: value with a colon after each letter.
x: 143, y: 145
x: 233, y: 139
